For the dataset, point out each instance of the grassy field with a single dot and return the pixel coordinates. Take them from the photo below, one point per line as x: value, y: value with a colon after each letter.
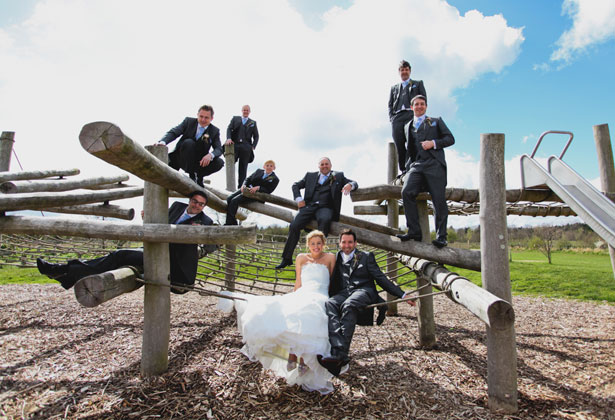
x: 585, y: 276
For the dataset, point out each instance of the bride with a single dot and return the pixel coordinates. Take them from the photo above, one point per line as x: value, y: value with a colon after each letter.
x: 285, y: 333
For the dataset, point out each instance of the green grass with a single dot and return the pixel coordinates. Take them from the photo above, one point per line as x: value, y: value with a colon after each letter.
x: 17, y: 275
x: 574, y: 275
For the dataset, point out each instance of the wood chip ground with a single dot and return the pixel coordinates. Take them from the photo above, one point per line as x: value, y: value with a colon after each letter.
x: 60, y: 360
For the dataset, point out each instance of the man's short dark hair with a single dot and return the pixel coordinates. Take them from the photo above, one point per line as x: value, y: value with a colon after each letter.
x: 404, y: 63
x: 418, y: 97
x: 348, y: 232
x: 207, y: 108
x: 198, y: 192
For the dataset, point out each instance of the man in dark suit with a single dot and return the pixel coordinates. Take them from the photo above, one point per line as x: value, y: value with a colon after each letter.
x: 400, y: 112
x: 183, y: 257
x: 262, y: 180
x: 426, y: 166
x: 351, y: 288
x: 243, y: 133
x: 322, y: 201
x: 199, y: 149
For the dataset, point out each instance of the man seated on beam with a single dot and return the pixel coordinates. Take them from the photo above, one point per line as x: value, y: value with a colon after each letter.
x: 262, y: 180
x: 183, y: 257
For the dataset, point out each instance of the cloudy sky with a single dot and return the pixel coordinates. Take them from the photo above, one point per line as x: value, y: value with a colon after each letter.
x: 317, y: 75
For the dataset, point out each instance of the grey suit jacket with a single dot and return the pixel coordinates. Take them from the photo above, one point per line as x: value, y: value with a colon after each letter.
x: 416, y: 87
x: 432, y: 128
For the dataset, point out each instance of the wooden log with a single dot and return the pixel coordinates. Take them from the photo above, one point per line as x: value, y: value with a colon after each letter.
x: 386, y: 192
x: 93, y: 290
x: 456, y: 209
x: 229, y: 274
x: 392, y: 221
x: 492, y: 310
x: 426, y: 319
x: 185, y: 234
x: 103, y: 210
x: 156, y: 265
x: 462, y: 258
x: 21, y: 175
x: 40, y: 201
x: 106, y: 141
x: 602, y: 138
x: 7, y: 139
x: 12, y: 187
x: 111, y: 186
x: 229, y: 165
x: 501, y: 344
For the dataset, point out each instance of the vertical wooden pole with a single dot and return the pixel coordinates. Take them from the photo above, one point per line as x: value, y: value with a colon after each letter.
x: 392, y: 221
x: 501, y: 346
x: 6, y: 149
x: 157, y: 301
x: 602, y: 138
x: 427, y: 324
x: 229, y: 274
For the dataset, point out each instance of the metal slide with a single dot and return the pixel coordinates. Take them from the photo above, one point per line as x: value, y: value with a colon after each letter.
x: 588, y: 203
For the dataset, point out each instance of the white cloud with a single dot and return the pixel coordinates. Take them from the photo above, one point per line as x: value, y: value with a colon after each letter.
x: 592, y: 23
x: 145, y: 65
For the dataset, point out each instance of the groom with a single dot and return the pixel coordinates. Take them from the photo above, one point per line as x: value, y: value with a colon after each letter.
x: 352, y: 288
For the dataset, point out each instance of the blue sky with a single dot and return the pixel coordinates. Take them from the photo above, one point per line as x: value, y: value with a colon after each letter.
x: 316, y: 73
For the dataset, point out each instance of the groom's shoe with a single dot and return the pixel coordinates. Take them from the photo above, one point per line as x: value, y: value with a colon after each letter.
x: 440, y: 242
x: 285, y: 263
x: 51, y: 270
x: 382, y: 313
x: 333, y: 364
x: 407, y: 237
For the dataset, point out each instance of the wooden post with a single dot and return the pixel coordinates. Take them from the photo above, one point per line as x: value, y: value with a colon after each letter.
x: 157, y: 301
x: 501, y: 346
x: 6, y: 149
x: 229, y: 275
x: 93, y: 290
x: 602, y: 138
x: 427, y: 323
x: 392, y: 221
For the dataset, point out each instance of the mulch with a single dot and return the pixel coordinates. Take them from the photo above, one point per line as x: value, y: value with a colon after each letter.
x: 60, y: 360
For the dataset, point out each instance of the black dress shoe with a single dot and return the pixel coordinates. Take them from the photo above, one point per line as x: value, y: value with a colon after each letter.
x: 439, y: 243
x: 333, y: 364
x: 406, y: 237
x: 51, y: 270
x: 382, y: 313
x: 285, y: 263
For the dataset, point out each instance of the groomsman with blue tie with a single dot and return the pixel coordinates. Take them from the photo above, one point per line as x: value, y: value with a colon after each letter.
x: 322, y: 201
x: 426, y: 166
x: 243, y: 133
x: 400, y: 110
x: 199, y: 149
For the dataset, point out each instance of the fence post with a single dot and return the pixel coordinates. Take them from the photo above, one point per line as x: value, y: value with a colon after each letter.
x: 6, y: 149
x: 501, y: 346
x: 426, y: 321
x: 229, y: 274
x: 392, y: 221
x: 157, y: 300
x: 602, y: 138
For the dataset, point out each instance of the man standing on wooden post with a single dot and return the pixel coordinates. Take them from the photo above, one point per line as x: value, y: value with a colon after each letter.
x: 426, y: 166
x: 183, y: 257
x: 400, y: 110
x: 199, y: 149
x: 243, y: 133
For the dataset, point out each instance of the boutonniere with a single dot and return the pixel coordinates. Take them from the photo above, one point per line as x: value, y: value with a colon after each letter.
x: 269, y: 177
x: 205, y: 138
x: 429, y: 121
x: 331, y: 178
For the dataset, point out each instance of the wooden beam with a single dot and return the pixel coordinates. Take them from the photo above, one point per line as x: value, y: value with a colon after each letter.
x: 21, y: 175
x: 41, y: 201
x: 93, y: 290
x: 185, y: 234
x: 12, y: 187
x: 7, y: 139
x: 103, y: 210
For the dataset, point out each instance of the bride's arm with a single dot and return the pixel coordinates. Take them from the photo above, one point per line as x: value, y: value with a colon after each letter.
x: 331, y: 264
x: 301, y: 259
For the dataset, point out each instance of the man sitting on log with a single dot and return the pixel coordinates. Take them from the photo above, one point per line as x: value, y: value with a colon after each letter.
x: 199, y: 149
x: 183, y: 257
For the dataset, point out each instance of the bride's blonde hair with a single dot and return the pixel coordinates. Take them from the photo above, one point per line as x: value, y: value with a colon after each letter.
x: 313, y: 234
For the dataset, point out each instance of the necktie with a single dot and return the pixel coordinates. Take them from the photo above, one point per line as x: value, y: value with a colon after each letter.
x: 199, y: 132
x: 244, y: 120
x: 182, y: 218
x: 323, y: 179
x: 419, y: 121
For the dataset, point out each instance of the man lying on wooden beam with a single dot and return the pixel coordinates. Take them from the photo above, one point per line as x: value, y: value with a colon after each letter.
x: 183, y: 257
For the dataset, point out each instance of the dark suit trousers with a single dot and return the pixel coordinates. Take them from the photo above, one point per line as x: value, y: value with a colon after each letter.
x: 188, y: 157
x: 399, y: 136
x: 323, y: 216
x: 343, y: 312
x: 429, y: 176
x: 243, y: 152
x: 233, y: 202
x: 78, y: 269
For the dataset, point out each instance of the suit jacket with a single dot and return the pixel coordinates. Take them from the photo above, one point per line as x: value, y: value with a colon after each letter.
x: 266, y: 185
x: 187, y: 130
x: 184, y: 257
x: 416, y: 87
x: 336, y: 180
x: 432, y: 128
x: 250, y: 137
x: 364, y: 272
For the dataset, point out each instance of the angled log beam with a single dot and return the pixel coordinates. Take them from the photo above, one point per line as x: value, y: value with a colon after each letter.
x: 13, y: 187
x: 16, y: 176
x: 93, y: 290
x: 455, y: 209
x: 41, y: 201
x: 103, y: 210
x: 106, y: 141
x: 185, y: 234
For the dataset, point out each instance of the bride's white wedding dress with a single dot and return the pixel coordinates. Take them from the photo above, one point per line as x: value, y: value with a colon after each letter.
x: 274, y: 326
